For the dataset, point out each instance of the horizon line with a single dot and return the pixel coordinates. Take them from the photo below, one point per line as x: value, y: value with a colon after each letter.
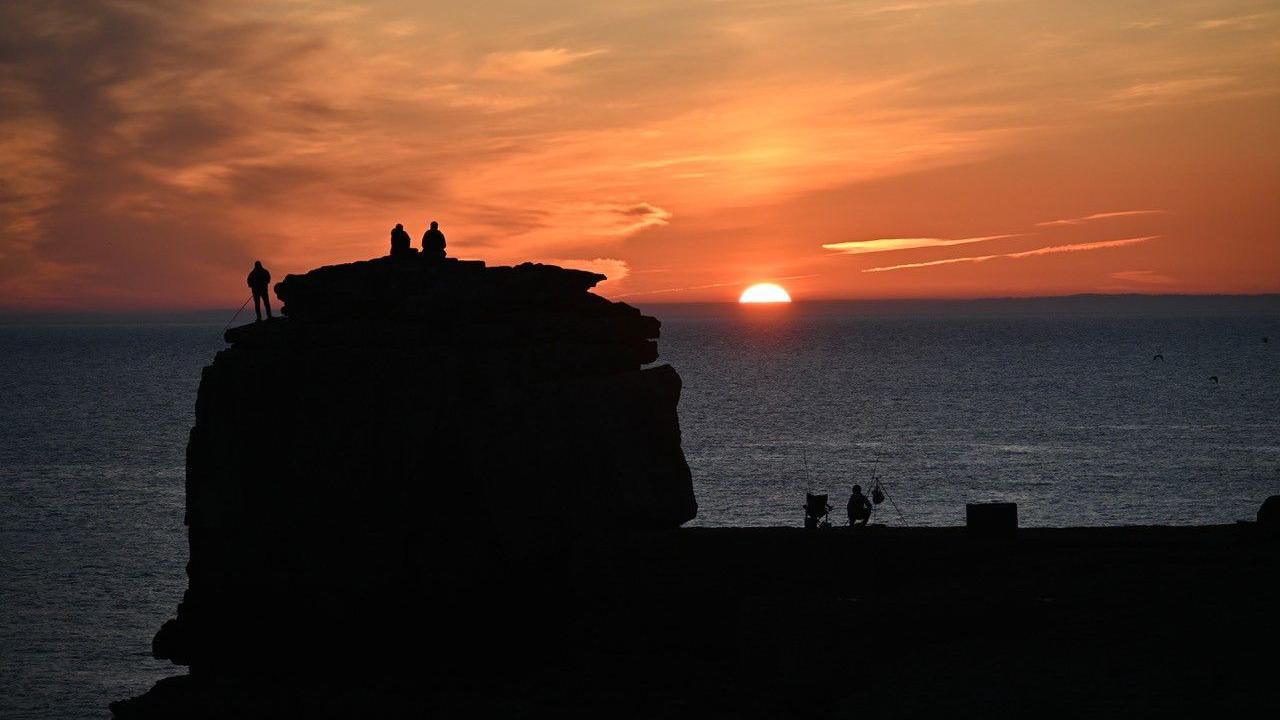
x: 34, y: 312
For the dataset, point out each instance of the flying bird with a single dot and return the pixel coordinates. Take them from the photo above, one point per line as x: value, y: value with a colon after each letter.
x: 1159, y: 356
x: 1214, y: 378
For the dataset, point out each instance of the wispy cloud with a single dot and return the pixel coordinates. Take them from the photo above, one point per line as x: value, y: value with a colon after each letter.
x: 861, y: 247
x: 561, y: 230
x: 671, y: 162
x: 616, y: 219
x: 613, y: 269
x: 1167, y: 90
x: 1099, y: 216
x: 1049, y: 250
x: 1146, y: 277
x: 916, y: 7
x: 523, y: 64
x: 1238, y: 22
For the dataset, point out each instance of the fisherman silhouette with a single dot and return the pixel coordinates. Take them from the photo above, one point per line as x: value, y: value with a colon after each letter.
x: 433, y: 242
x: 859, y: 508
x: 400, y: 241
x: 258, y: 281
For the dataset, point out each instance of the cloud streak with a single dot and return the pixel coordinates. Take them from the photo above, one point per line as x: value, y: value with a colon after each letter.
x: 1098, y: 216
x: 1145, y: 277
x: 861, y: 247
x: 524, y: 64
x: 1048, y: 250
x: 614, y: 270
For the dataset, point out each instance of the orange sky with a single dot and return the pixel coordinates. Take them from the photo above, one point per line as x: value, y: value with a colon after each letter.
x: 890, y: 148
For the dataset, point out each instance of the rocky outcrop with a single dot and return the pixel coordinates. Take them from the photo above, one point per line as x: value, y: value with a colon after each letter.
x: 412, y: 440
x: 1269, y: 515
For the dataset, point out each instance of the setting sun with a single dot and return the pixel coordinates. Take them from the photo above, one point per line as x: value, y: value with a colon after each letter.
x: 764, y: 293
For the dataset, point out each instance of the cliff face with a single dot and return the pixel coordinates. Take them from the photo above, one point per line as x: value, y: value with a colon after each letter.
x: 410, y: 437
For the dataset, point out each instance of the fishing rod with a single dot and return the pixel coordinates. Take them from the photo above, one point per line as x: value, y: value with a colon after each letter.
x: 889, y: 497
x: 233, y: 317
x: 875, y: 478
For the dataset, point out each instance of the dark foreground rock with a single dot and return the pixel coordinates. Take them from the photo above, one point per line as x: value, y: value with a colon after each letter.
x: 886, y: 622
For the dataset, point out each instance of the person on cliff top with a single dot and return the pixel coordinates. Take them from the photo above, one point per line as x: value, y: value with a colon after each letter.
x: 433, y: 242
x: 400, y: 241
x: 258, y: 280
x: 859, y: 508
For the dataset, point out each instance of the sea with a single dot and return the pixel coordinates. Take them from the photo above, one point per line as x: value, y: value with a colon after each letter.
x: 1088, y: 410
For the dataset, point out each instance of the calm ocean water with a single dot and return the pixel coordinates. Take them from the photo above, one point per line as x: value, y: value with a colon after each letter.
x: 1057, y: 405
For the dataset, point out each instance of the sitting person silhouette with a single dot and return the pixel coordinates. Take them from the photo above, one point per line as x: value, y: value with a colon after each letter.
x: 859, y: 508
x: 400, y: 241
x: 433, y: 242
x: 259, y: 279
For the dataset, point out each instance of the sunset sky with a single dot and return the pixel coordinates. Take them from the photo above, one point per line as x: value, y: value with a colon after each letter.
x: 686, y: 149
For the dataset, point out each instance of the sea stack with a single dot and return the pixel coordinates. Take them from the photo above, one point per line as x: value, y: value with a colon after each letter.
x: 414, y: 440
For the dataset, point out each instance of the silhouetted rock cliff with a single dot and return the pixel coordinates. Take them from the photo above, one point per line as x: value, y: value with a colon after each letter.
x: 415, y: 439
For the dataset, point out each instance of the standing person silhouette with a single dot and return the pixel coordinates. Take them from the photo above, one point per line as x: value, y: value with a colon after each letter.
x: 258, y: 280
x: 433, y: 242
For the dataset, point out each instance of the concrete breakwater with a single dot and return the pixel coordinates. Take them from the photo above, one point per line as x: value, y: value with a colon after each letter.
x: 780, y: 622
